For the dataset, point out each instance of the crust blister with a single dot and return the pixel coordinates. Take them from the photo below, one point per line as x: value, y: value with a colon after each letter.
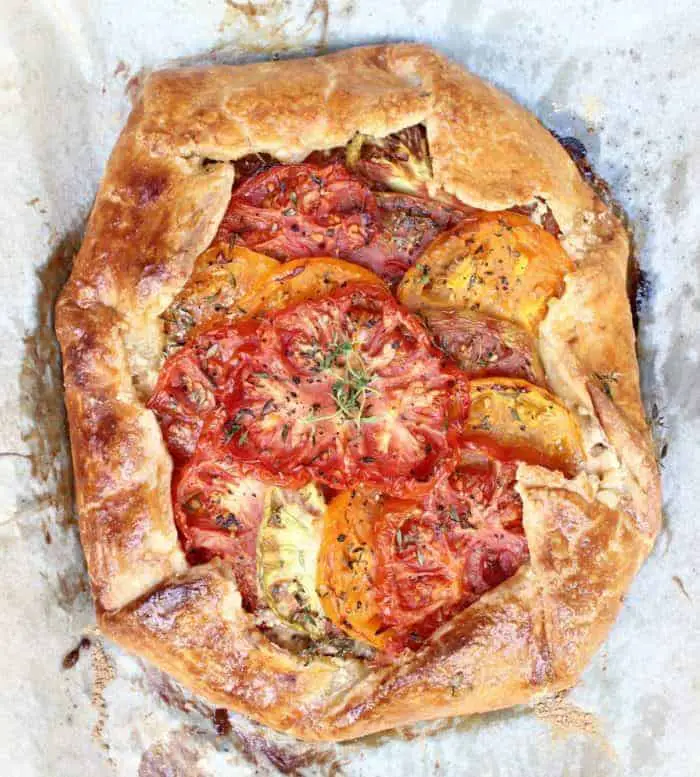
x: 157, y: 210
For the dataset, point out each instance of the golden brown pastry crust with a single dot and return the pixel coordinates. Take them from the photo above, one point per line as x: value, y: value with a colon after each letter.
x: 159, y: 206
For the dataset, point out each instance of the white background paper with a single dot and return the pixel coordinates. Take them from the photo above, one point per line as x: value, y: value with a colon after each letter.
x: 621, y: 76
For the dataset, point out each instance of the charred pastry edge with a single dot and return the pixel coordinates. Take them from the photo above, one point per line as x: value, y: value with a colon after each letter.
x: 158, y: 208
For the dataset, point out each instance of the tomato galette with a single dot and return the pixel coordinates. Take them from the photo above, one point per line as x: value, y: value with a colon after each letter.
x: 353, y: 398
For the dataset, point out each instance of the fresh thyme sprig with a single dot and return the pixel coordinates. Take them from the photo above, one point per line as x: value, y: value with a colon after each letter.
x: 334, y: 352
x: 352, y: 389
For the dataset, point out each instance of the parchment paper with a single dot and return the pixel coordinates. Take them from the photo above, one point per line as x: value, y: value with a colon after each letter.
x: 622, y: 77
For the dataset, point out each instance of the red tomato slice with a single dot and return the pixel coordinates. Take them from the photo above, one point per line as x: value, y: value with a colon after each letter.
x: 319, y: 158
x: 478, y: 494
x: 218, y: 513
x: 344, y: 389
x: 252, y: 164
x: 357, y: 390
x: 322, y: 209
x: 405, y: 226
x: 291, y: 211
x: 438, y: 558
x: 186, y: 391
x: 391, y: 570
x: 183, y: 397
x: 485, y: 346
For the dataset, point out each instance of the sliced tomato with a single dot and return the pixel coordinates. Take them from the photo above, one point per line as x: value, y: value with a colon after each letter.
x: 405, y: 227
x: 268, y: 534
x: 221, y: 278
x: 346, y: 568
x: 500, y: 264
x: 292, y: 211
x: 436, y: 558
x: 219, y: 513
x: 186, y: 394
x: 344, y: 389
x: 288, y: 546
x: 419, y: 575
x: 321, y: 209
x: 300, y: 279
x: 391, y: 570
x: 252, y: 164
x: 484, y: 346
x: 182, y: 399
x: 326, y: 157
x: 512, y: 419
x: 478, y: 494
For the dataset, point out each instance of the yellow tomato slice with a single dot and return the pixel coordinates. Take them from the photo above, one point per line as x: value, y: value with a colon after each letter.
x: 301, y: 279
x: 346, y: 567
x: 287, y: 556
x: 500, y: 264
x: 222, y: 276
x: 513, y: 419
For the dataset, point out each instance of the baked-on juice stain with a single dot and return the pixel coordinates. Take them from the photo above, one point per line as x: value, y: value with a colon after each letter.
x: 41, y: 388
x: 222, y: 724
x: 638, y: 283
x: 71, y: 657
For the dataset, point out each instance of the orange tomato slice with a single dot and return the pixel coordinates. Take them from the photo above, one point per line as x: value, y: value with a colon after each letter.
x: 301, y: 279
x: 512, y: 419
x: 391, y: 571
x: 500, y: 264
x: 347, y: 567
x: 222, y: 276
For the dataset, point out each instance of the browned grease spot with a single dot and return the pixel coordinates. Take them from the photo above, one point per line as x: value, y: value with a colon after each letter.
x: 174, y: 756
x: 681, y: 587
x: 102, y: 675
x: 259, y: 745
x: 566, y: 719
x: 71, y: 657
x: 463, y: 724
x: 172, y: 694
x: 263, y: 748
x: 133, y: 87
x: 247, y: 8
x: 638, y: 283
x: 319, y: 9
x: 222, y: 724
x: 272, y: 28
x: 71, y: 584
x: 41, y: 392
x: 122, y: 69
x: 236, y: 11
